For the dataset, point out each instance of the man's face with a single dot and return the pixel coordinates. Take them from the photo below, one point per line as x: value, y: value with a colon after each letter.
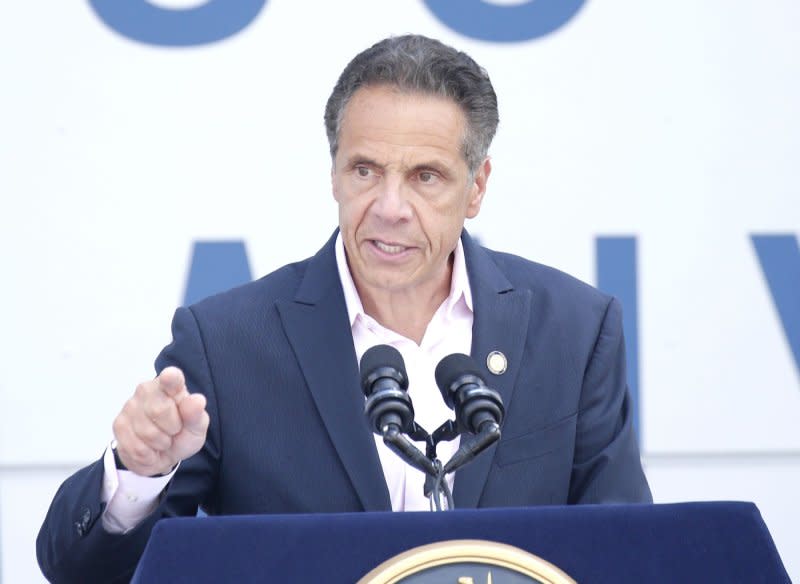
x: 403, y: 188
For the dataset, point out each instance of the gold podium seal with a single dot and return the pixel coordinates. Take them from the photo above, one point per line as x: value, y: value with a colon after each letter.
x: 466, y: 561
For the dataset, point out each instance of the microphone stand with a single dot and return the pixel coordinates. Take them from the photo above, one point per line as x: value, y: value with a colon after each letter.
x: 405, y: 449
x: 435, y: 484
x: 436, y: 487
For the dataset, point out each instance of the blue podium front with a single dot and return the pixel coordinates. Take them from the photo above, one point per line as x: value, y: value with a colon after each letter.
x: 687, y: 542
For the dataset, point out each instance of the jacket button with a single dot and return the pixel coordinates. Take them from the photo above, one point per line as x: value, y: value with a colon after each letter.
x: 82, y: 524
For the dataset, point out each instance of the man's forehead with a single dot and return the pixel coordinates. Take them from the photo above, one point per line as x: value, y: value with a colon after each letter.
x: 381, y: 118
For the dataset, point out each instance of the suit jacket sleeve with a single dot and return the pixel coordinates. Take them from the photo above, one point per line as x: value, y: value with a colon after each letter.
x: 606, y: 466
x: 72, y: 545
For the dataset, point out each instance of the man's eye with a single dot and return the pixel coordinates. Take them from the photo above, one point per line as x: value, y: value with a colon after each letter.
x: 426, y: 177
x: 362, y: 171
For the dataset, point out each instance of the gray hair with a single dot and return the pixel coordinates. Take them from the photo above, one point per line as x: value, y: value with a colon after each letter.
x: 418, y: 64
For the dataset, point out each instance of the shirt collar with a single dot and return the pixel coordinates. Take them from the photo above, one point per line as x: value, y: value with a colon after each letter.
x: 459, y: 284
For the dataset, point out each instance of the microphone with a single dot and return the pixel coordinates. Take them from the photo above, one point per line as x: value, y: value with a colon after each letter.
x: 388, y: 407
x: 465, y: 391
x: 479, y: 409
x: 385, y: 383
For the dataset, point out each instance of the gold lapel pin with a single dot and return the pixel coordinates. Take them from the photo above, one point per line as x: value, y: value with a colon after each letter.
x: 496, y: 362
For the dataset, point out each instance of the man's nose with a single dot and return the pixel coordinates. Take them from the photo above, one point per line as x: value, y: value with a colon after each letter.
x: 391, y: 203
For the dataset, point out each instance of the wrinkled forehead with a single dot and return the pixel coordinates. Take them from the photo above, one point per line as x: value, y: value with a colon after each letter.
x: 390, y: 112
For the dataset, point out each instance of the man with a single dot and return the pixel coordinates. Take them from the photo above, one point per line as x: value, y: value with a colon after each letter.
x: 257, y: 406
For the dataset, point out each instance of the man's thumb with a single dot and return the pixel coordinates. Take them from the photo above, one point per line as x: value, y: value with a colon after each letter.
x: 193, y: 413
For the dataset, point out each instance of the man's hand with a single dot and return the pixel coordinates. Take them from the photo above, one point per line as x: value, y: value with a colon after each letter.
x: 160, y: 425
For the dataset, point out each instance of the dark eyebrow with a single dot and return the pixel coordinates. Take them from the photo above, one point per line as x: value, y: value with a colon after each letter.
x: 359, y: 159
x: 431, y: 167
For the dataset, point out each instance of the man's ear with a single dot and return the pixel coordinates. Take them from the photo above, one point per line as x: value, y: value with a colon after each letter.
x: 333, y: 182
x: 478, y: 188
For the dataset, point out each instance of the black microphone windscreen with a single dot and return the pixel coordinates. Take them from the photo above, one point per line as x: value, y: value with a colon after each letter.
x: 381, y: 356
x: 452, y: 367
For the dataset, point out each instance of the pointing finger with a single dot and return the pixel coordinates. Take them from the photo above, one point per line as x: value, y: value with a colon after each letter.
x: 172, y: 382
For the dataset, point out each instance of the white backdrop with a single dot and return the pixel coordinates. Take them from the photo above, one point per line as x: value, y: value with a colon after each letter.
x: 673, y: 122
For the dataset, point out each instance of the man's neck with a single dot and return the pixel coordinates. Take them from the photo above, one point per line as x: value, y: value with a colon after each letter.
x: 407, y: 312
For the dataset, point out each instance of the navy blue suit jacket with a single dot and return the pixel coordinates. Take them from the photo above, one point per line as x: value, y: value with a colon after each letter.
x: 275, y: 359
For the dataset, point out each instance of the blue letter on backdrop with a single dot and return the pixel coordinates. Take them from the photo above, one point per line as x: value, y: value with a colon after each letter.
x: 213, y: 21
x: 779, y: 256
x: 485, y: 21
x: 617, y: 275
x: 216, y: 266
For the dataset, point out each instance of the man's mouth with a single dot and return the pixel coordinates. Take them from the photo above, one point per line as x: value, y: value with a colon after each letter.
x: 390, y: 248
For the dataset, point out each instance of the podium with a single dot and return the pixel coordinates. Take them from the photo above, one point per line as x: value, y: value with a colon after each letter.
x: 687, y: 542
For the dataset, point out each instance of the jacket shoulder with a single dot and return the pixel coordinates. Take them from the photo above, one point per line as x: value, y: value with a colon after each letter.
x: 548, y: 282
x: 260, y: 294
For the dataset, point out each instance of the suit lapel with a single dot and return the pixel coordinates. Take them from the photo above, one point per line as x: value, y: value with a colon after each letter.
x: 318, y: 329
x: 501, y: 316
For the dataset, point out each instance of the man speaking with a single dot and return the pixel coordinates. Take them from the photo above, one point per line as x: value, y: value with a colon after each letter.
x: 257, y: 407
